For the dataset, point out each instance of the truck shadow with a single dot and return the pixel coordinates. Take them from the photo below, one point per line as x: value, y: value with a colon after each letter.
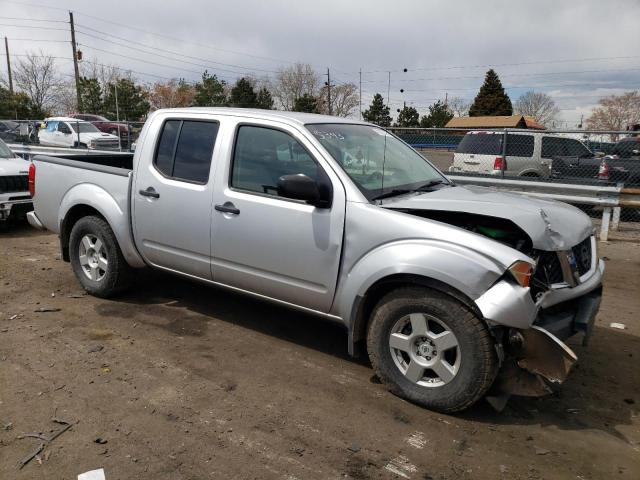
x: 601, y: 393
x: 157, y: 296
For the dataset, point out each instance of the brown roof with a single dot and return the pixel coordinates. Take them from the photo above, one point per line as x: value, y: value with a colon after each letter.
x: 509, y: 121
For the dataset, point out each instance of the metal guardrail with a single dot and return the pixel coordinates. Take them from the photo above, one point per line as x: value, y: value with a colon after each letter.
x: 611, y: 198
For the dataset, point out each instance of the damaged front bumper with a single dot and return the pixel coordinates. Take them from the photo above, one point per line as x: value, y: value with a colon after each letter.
x: 534, y: 357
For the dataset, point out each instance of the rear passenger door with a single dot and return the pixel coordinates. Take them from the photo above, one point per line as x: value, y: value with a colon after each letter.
x: 172, y: 195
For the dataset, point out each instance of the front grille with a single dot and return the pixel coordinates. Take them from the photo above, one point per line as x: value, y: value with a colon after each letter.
x: 107, y: 144
x: 14, y: 183
x: 582, y: 254
x: 548, y: 270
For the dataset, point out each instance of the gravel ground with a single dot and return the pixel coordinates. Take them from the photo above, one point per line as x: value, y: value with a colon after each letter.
x: 178, y: 381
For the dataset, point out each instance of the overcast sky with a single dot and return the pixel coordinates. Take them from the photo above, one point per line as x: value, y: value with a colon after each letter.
x: 577, y: 51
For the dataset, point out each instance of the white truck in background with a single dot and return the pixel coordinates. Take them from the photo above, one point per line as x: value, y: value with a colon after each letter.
x: 15, y: 200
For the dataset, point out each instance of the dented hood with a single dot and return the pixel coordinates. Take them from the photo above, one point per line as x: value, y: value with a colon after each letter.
x: 551, y: 225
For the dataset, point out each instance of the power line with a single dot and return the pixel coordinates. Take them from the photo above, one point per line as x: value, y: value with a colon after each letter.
x: 33, y: 19
x: 510, y: 75
x: 168, y: 51
x: 33, y: 26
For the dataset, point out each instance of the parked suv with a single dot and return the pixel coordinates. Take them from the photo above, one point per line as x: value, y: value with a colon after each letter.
x: 528, y: 153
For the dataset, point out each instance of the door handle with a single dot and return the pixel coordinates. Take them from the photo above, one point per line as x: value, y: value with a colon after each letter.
x: 228, y: 207
x: 149, y: 192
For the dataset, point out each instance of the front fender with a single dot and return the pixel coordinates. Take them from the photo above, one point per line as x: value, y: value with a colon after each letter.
x: 461, y: 268
x: 98, y: 198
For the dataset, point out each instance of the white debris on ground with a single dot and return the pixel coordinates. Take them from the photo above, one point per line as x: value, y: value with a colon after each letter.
x: 619, y: 326
x: 92, y: 475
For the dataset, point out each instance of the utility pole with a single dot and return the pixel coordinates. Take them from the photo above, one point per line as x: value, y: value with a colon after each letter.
x: 75, y: 61
x: 446, y: 98
x: 388, y: 89
x: 6, y: 47
x: 329, y: 91
x: 361, y: 94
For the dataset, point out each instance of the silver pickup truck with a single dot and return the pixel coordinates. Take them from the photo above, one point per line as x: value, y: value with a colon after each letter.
x: 454, y: 292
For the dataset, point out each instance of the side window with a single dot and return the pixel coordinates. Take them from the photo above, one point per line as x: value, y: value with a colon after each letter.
x: 520, y: 145
x: 576, y: 149
x: 64, y: 128
x: 262, y: 155
x: 552, y: 147
x: 185, y: 149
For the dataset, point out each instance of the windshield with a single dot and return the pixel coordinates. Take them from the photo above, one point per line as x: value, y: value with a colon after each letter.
x: 84, y: 127
x: 376, y: 161
x: 4, y: 151
x: 625, y: 148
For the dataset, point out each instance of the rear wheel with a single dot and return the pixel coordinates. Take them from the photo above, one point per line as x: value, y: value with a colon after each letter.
x: 430, y: 349
x: 96, y: 258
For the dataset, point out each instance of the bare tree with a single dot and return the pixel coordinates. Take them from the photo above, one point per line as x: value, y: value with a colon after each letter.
x: 616, y: 112
x: 344, y: 98
x: 105, y: 74
x: 171, y: 94
x: 459, y: 106
x: 539, y: 106
x: 37, y: 76
x: 293, y: 82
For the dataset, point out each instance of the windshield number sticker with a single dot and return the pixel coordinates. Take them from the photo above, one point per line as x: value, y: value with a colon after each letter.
x: 328, y: 135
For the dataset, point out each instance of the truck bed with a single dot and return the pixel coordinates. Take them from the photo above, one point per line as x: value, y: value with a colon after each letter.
x: 105, y: 177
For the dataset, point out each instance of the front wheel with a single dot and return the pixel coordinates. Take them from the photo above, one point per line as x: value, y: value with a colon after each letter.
x: 430, y: 349
x: 96, y: 258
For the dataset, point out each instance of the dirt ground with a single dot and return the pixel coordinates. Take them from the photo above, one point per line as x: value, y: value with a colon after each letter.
x: 179, y: 381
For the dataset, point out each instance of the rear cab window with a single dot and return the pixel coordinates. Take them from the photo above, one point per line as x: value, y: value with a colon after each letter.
x: 563, y: 147
x: 185, y: 150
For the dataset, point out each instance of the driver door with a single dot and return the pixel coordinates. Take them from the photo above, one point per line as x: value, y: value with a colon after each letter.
x: 267, y: 244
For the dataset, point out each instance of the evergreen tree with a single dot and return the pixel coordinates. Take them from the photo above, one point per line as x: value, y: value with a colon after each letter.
x: 491, y: 99
x: 91, y: 95
x: 306, y: 103
x: 377, y: 112
x: 408, y: 117
x: 439, y: 115
x: 18, y: 106
x: 265, y: 100
x: 243, y: 95
x: 210, y: 91
x: 132, y: 104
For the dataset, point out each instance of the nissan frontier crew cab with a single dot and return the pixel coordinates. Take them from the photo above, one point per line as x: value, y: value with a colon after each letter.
x: 454, y: 292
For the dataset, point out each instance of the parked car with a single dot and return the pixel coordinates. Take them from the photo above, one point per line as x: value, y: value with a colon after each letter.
x: 449, y: 287
x: 528, y: 153
x: 103, y: 124
x: 15, y: 200
x: 70, y: 132
x: 622, y: 166
x: 9, y: 131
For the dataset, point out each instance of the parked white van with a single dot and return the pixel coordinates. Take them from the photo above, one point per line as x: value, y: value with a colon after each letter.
x: 71, y: 132
x: 528, y: 153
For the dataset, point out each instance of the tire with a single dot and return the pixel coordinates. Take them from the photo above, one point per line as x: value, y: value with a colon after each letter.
x: 467, y: 370
x: 96, y: 258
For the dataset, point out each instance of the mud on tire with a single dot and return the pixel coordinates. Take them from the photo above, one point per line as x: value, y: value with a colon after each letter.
x: 469, y: 367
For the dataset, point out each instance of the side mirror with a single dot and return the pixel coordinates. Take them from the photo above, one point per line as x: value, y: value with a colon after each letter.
x: 299, y: 187
x: 635, y: 153
x: 599, y: 154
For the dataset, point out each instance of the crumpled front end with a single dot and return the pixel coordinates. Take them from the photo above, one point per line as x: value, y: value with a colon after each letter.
x: 531, y: 323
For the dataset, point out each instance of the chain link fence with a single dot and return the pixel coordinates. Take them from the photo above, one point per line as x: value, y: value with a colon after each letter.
x: 72, y: 133
x: 563, y: 157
